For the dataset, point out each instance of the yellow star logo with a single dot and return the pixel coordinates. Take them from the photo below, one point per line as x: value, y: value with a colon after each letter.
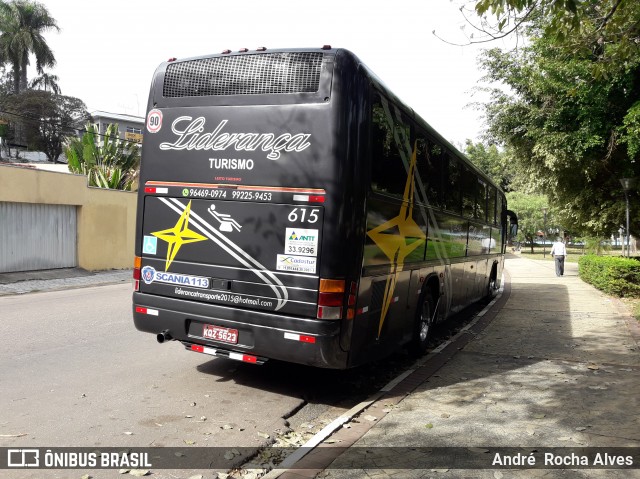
x: 395, y: 246
x: 178, y: 235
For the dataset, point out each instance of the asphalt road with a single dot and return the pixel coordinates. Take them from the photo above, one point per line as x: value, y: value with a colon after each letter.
x: 75, y: 372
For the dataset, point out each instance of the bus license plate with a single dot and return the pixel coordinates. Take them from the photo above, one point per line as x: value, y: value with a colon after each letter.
x: 218, y: 333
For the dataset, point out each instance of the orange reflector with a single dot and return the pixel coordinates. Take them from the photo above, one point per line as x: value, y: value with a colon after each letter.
x: 137, y: 262
x: 332, y: 285
x: 351, y: 313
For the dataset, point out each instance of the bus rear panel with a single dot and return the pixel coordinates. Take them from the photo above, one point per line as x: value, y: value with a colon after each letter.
x: 237, y: 180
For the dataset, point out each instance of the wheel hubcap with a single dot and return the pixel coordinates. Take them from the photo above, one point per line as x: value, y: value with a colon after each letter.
x: 425, y: 319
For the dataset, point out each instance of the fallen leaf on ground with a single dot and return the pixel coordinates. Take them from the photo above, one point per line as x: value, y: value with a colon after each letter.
x: 138, y: 472
x: 593, y: 366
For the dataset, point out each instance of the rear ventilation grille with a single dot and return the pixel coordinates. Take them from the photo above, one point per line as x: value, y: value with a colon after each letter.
x: 244, y: 75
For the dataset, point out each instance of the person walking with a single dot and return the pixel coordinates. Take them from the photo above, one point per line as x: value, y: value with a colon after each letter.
x: 559, y: 252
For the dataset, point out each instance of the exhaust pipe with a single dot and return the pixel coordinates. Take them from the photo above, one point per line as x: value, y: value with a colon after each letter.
x: 164, y: 336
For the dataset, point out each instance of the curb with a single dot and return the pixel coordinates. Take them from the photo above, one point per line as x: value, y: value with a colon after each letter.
x: 316, y: 455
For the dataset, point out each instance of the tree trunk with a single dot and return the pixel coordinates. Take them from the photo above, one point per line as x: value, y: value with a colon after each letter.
x: 16, y: 78
x: 23, y: 71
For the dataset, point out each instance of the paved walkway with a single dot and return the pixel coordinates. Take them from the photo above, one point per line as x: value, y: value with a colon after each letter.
x: 56, y: 279
x: 558, y: 366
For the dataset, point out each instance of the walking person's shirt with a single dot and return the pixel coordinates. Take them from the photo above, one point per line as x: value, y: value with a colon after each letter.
x: 558, y: 249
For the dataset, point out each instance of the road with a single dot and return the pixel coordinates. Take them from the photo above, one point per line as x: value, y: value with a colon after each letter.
x: 75, y: 372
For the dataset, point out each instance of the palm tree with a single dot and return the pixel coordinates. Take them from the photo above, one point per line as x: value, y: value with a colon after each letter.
x: 22, y: 24
x: 47, y: 82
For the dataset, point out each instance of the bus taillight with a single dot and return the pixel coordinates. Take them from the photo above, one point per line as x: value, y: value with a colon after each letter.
x: 330, y: 298
x: 137, y: 264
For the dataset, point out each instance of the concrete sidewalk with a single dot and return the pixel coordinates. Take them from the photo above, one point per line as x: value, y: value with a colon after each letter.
x: 57, y: 279
x: 558, y: 366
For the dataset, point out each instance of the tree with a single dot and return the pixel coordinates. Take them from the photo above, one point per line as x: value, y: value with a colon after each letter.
x: 108, y: 162
x: 573, y: 134
x: 22, y: 24
x: 608, y: 30
x: 43, y: 120
x: 46, y: 82
x: 529, y: 209
x: 492, y: 161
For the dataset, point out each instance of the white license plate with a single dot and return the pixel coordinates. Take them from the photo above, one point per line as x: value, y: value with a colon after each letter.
x: 218, y: 333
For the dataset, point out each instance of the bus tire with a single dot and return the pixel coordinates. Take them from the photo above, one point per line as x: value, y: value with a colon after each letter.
x: 423, y: 324
x: 492, y: 285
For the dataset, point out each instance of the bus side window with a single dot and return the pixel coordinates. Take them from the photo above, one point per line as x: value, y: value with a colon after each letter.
x: 469, y: 189
x: 481, y: 200
x: 388, y: 176
x: 430, y: 172
x: 491, y: 206
x: 453, y: 183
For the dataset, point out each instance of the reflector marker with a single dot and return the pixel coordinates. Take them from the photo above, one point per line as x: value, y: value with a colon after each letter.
x: 214, y: 352
x: 300, y: 337
x: 158, y: 191
x: 363, y: 310
x: 396, y: 299
x: 243, y: 357
x: 149, y: 311
x: 203, y: 349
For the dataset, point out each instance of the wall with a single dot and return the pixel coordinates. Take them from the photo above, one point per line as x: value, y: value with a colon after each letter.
x: 106, y: 218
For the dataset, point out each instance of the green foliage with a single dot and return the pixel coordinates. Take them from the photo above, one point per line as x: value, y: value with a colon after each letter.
x: 108, y: 162
x: 616, y: 276
x: 22, y: 24
x: 607, y: 30
x: 564, y: 129
x: 529, y: 208
x: 597, y: 246
x: 492, y: 161
x: 42, y: 119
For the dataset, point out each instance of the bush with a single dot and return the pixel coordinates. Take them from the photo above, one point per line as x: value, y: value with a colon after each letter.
x: 616, y: 276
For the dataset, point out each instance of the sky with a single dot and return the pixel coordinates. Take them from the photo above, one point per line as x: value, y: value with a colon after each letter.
x: 107, y: 52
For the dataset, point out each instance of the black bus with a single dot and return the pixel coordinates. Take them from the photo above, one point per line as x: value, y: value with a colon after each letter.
x: 292, y: 208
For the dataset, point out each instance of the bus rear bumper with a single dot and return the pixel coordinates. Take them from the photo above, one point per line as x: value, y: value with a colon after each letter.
x: 260, y: 335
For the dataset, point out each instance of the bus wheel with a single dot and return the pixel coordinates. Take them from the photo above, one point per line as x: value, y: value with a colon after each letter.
x: 423, y: 325
x: 492, y: 288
